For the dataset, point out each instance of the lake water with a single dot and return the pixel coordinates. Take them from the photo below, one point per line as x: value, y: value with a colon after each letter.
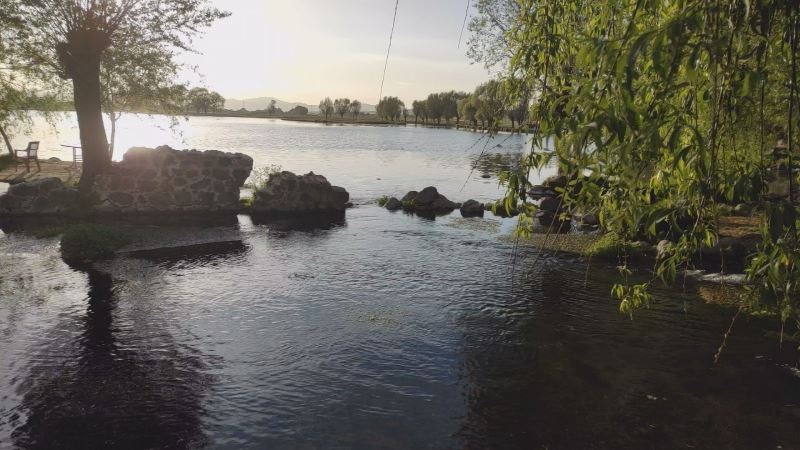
x: 381, y: 330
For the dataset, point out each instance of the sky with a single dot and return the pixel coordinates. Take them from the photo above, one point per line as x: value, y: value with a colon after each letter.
x: 305, y: 50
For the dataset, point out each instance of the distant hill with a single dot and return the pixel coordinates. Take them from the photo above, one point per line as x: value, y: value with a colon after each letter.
x: 259, y: 103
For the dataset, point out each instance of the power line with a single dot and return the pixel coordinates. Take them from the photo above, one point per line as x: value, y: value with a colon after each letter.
x: 466, y: 13
x: 386, y: 64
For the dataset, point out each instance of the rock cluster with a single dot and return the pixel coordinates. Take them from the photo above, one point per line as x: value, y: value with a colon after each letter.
x: 43, y: 196
x: 287, y: 193
x: 426, y: 201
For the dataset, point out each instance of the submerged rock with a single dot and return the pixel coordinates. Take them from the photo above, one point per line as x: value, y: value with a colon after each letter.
x: 286, y: 192
x: 472, y: 208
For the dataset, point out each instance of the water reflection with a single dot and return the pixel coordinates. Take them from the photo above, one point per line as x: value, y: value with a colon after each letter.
x: 491, y: 164
x: 566, y: 374
x: 107, y: 392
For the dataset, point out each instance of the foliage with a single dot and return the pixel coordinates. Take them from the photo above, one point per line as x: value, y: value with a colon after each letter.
x: 341, y: 106
x: 202, y: 100
x: 668, y: 107
x: 298, y: 111
x: 355, y: 108
x: 260, y: 177
x: 390, y: 108
x: 383, y: 201
x: 326, y: 107
x: 488, y: 43
x: 90, y: 242
x: 72, y: 38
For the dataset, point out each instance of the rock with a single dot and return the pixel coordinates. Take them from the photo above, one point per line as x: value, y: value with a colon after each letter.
x: 409, y: 197
x: 498, y: 208
x: 426, y: 196
x: 53, y: 160
x: 743, y: 209
x: 539, y: 192
x: 37, y: 197
x: 590, y: 219
x: 472, y: 208
x: 393, y: 204
x: 555, y: 181
x: 550, y: 204
x: 553, y: 221
x: 429, y: 199
x: 288, y: 193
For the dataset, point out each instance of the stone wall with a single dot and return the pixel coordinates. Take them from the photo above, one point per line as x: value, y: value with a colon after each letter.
x: 168, y: 180
x: 161, y: 180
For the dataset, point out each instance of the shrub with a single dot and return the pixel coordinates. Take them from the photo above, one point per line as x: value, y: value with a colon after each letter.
x: 89, y: 242
x: 5, y: 161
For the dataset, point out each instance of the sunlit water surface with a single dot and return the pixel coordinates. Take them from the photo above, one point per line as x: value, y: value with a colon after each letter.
x: 381, y: 330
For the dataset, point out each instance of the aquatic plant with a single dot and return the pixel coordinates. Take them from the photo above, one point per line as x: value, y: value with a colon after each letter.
x: 382, y: 201
x: 91, y: 242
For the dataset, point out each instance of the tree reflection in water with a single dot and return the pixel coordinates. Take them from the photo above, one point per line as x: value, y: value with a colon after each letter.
x: 110, y: 393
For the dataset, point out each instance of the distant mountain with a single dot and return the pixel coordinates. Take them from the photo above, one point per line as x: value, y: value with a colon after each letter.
x: 259, y: 103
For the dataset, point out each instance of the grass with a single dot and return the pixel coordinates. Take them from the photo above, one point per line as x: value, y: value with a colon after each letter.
x: 383, y: 201
x: 607, y: 246
x: 90, y: 242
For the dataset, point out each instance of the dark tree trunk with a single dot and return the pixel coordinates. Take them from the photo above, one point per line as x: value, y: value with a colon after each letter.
x: 80, y: 57
x: 94, y: 145
x: 8, y: 142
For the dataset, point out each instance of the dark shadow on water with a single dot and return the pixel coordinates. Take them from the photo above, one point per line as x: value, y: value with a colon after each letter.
x: 37, y: 224
x: 205, y: 254
x: 303, y: 222
x: 107, y: 393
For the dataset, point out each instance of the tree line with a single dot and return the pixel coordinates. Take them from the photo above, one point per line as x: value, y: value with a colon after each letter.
x: 340, y: 107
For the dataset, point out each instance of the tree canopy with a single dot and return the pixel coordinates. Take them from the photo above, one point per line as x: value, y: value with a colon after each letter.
x: 670, y: 108
x: 72, y: 39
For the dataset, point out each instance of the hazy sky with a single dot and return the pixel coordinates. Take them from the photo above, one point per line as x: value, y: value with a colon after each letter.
x: 304, y: 50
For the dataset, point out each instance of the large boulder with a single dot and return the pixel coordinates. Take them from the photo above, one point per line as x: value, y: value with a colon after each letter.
x: 288, y: 193
x: 472, y: 208
x: 429, y: 199
x: 42, y: 196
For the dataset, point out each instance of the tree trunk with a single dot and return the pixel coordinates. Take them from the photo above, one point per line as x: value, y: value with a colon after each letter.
x: 7, y: 141
x: 94, y: 145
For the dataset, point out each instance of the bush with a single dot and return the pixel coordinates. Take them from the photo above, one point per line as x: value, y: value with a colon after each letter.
x: 89, y: 242
x: 5, y: 161
x: 260, y: 177
x: 610, y: 245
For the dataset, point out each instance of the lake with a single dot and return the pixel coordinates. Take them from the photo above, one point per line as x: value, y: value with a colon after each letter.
x: 382, y: 330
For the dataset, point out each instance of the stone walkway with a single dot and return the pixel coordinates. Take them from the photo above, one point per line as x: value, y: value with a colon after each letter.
x: 64, y: 170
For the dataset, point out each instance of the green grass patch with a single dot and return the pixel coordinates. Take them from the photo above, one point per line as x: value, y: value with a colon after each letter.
x: 383, y: 201
x: 90, y: 242
x: 608, y: 245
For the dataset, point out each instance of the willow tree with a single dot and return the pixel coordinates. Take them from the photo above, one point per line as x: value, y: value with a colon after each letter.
x: 71, y: 38
x: 672, y: 108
